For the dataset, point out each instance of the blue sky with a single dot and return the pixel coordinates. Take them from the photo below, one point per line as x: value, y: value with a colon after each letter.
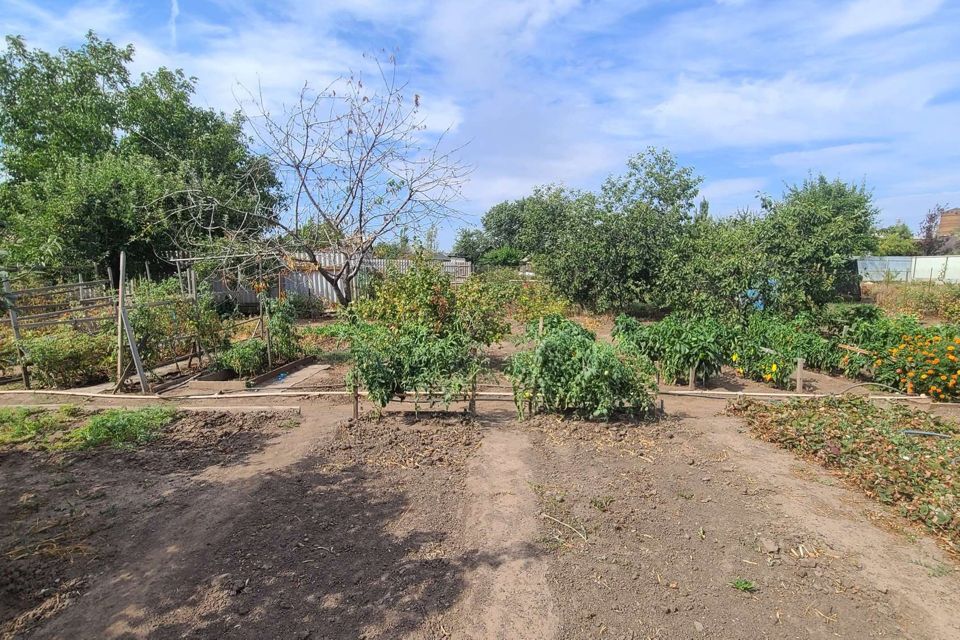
x: 752, y: 93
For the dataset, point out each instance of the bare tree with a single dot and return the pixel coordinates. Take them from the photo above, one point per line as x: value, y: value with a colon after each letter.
x: 357, y: 164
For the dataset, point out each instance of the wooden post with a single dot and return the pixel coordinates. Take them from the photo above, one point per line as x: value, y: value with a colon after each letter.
x: 692, y: 382
x: 147, y: 265
x: 264, y: 318
x: 540, y: 329
x: 120, y: 301
x: 15, y: 325
x: 356, y: 403
x: 179, y: 276
x: 80, y: 287
x: 113, y: 283
x: 128, y: 329
x: 799, y: 375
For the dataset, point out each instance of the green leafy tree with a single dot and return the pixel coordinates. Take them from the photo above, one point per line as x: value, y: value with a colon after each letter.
x: 896, y: 240
x: 605, y: 251
x: 84, y: 146
x: 503, y: 223
x: 718, y: 268
x: 815, y: 231
x: 471, y: 244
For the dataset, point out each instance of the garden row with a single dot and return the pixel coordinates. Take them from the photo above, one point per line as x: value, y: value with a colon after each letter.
x: 857, y: 341
x: 65, y: 350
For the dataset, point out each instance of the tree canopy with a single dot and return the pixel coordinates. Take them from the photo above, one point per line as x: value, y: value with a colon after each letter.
x: 94, y: 161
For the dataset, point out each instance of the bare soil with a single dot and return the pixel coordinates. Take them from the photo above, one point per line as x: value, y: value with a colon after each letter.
x: 248, y: 525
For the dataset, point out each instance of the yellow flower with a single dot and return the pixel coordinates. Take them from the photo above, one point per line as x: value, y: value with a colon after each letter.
x: 878, y: 362
x: 910, y: 374
x: 767, y: 377
x: 923, y: 377
x: 773, y: 367
x: 734, y: 357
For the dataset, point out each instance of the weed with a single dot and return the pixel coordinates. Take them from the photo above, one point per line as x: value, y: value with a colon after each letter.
x: 19, y: 424
x: 119, y: 427
x: 602, y: 503
x: 746, y: 586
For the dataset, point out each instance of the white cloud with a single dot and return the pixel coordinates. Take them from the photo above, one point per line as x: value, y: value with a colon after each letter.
x: 864, y: 16
x: 174, y: 12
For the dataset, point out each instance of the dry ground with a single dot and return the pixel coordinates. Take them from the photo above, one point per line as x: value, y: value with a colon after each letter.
x: 433, y: 526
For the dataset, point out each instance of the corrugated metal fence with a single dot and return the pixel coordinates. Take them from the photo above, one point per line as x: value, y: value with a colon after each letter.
x: 311, y: 283
x: 909, y: 268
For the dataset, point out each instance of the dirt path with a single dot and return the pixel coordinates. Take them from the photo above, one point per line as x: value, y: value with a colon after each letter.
x: 168, y: 543
x: 511, y: 598
x: 918, y: 578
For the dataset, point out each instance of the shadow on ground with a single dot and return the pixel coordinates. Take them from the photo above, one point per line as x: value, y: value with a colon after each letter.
x: 314, y: 551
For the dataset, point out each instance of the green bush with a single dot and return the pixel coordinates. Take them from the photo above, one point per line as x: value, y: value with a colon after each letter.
x: 568, y: 370
x: 246, y: 358
x: 284, y: 338
x: 120, y: 427
x: 70, y: 358
x: 394, y: 361
x: 678, y: 344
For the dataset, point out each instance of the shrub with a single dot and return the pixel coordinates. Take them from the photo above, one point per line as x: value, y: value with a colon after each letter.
x: 876, y: 337
x: 867, y: 444
x: 423, y: 295
x: 568, y: 370
x: 120, y: 427
x: 284, y: 338
x: 70, y: 358
x: 480, y: 311
x: 678, y: 344
x: 768, y: 347
x: 245, y: 358
x: 394, y: 361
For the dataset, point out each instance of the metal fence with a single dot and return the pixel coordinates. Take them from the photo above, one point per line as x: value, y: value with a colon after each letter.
x: 909, y: 268
x: 311, y: 283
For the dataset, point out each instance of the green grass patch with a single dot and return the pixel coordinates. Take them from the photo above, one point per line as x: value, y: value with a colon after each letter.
x: 21, y: 424
x: 867, y: 443
x: 119, y: 428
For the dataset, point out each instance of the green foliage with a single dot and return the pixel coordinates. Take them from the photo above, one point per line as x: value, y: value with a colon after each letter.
x: 867, y: 444
x: 718, y: 268
x: 93, y: 158
x: 471, y: 244
x: 896, y: 240
x: 480, y: 311
x: 422, y: 295
x: 568, y: 370
x: 71, y: 358
x: 166, y: 331
x: 392, y: 361
x: 505, y: 256
x: 119, y: 428
x: 815, y: 230
x: 877, y: 337
x: 679, y: 344
x: 284, y: 338
x: 22, y: 424
x: 741, y: 584
x: 247, y: 358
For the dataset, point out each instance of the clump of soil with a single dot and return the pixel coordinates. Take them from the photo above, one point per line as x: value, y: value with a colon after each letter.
x: 406, y: 442
x: 63, y: 513
x: 633, y: 438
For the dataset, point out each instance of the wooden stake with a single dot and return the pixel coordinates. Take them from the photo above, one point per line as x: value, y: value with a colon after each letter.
x: 799, y: 374
x: 356, y: 403
x: 15, y: 325
x: 692, y: 383
x: 128, y: 329
x: 147, y: 265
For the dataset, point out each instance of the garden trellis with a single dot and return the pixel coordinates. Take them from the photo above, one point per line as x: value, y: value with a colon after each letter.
x: 92, y: 306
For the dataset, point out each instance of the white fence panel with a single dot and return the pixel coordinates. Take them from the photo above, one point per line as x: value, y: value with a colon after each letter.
x: 909, y: 268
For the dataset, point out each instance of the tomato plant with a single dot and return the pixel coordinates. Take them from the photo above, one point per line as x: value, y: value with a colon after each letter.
x: 567, y: 369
